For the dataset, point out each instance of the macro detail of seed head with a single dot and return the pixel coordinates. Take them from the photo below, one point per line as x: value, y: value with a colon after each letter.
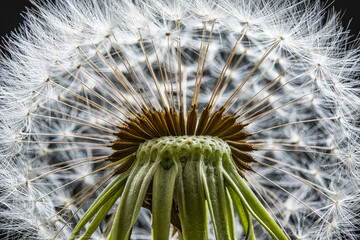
x: 159, y: 119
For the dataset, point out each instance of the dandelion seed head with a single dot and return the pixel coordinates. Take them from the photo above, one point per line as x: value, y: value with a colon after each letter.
x: 87, y: 85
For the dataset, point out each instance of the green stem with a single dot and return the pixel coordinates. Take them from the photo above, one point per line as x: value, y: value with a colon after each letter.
x: 162, y: 199
x: 191, y: 200
x: 230, y: 215
x: 251, y: 203
x: 104, y: 197
x: 132, y: 199
x: 101, y: 215
x: 211, y: 173
x: 244, y: 215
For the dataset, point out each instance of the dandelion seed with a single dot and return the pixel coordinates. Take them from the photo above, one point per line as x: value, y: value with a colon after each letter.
x: 179, y: 119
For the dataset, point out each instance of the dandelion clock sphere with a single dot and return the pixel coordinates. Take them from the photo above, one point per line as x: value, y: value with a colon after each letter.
x: 182, y: 119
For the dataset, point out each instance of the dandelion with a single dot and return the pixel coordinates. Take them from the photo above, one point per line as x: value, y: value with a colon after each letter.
x: 229, y: 120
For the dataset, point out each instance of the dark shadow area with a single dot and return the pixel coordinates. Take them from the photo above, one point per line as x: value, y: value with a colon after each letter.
x: 10, y: 14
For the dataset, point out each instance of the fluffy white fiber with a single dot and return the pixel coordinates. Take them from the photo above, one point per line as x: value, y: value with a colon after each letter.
x: 60, y: 99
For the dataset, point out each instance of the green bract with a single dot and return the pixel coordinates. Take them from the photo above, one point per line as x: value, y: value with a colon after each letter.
x: 188, y: 175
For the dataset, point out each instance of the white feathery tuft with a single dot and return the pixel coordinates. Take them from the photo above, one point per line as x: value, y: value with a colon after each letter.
x: 61, y: 100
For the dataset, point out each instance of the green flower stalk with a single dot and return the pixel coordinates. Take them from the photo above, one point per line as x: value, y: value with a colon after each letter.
x: 188, y: 120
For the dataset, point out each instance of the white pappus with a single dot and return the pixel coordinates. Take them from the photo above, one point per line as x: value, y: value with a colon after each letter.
x: 77, y: 72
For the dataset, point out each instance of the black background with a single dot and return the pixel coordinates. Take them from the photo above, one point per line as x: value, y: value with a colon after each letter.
x: 10, y: 14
